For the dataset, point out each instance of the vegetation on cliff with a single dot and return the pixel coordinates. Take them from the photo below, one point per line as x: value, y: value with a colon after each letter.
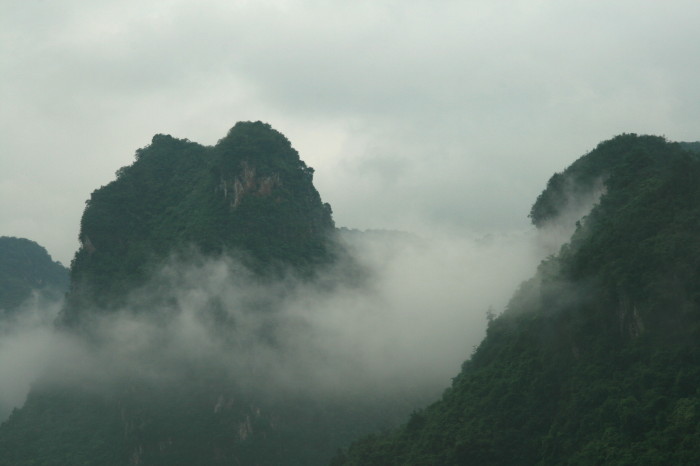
x: 249, y: 195
x: 596, y: 358
x: 172, y: 327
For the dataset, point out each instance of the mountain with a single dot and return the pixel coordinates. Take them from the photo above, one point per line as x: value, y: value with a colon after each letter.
x: 250, y: 194
x: 175, y: 346
x: 596, y: 359
x: 26, y: 267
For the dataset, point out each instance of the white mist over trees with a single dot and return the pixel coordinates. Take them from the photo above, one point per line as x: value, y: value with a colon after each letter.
x: 409, y: 321
x: 253, y: 304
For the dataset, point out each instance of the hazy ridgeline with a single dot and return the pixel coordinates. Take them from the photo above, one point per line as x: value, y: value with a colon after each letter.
x: 217, y: 316
x: 213, y: 297
x: 595, y: 359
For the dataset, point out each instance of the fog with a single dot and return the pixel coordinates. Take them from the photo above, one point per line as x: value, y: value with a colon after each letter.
x: 27, y: 343
x: 394, y: 315
x: 397, y: 315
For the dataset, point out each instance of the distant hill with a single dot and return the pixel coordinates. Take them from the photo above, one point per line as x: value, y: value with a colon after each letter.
x: 596, y: 359
x: 26, y: 267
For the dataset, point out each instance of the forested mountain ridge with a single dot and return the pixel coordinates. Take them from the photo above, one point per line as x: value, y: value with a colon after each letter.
x: 596, y: 359
x: 174, y: 341
x: 25, y: 266
x: 250, y: 194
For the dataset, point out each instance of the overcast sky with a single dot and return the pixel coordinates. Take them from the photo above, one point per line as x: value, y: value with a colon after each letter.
x: 415, y: 114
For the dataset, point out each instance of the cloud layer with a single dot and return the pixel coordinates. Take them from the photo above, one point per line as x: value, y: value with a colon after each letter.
x: 412, y: 113
x: 398, y: 324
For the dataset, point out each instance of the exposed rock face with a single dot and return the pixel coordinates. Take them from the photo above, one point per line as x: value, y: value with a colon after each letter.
x: 247, y: 183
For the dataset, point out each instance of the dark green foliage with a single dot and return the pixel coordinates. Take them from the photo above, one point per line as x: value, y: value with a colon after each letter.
x: 88, y: 433
x: 249, y: 194
x: 203, y: 419
x: 693, y: 147
x: 596, y: 360
x: 25, y: 267
x: 590, y: 172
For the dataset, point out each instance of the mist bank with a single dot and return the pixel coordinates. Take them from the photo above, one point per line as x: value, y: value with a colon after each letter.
x: 408, y: 313
x: 595, y: 359
x: 200, y: 356
x: 28, y: 342
x: 396, y: 313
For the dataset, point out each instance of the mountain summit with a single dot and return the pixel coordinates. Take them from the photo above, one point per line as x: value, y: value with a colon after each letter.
x: 249, y: 195
x: 173, y: 347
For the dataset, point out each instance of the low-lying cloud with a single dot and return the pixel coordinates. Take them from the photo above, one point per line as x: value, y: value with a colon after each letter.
x: 27, y: 342
x: 399, y: 314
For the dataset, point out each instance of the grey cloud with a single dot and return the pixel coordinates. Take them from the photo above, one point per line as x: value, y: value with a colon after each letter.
x: 377, y: 96
x: 405, y: 327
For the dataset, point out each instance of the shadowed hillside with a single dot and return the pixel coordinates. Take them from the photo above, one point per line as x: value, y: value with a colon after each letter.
x: 596, y: 359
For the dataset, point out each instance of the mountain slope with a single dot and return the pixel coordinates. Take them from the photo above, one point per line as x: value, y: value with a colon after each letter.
x: 596, y: 359
x: 175, y: 340
x: 248, y: 194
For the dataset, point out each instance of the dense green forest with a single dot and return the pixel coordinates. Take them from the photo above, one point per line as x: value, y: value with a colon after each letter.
x: 26, y: 267
x: 250, y: 195
x: 596, y: 359
x: 249, y: 201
